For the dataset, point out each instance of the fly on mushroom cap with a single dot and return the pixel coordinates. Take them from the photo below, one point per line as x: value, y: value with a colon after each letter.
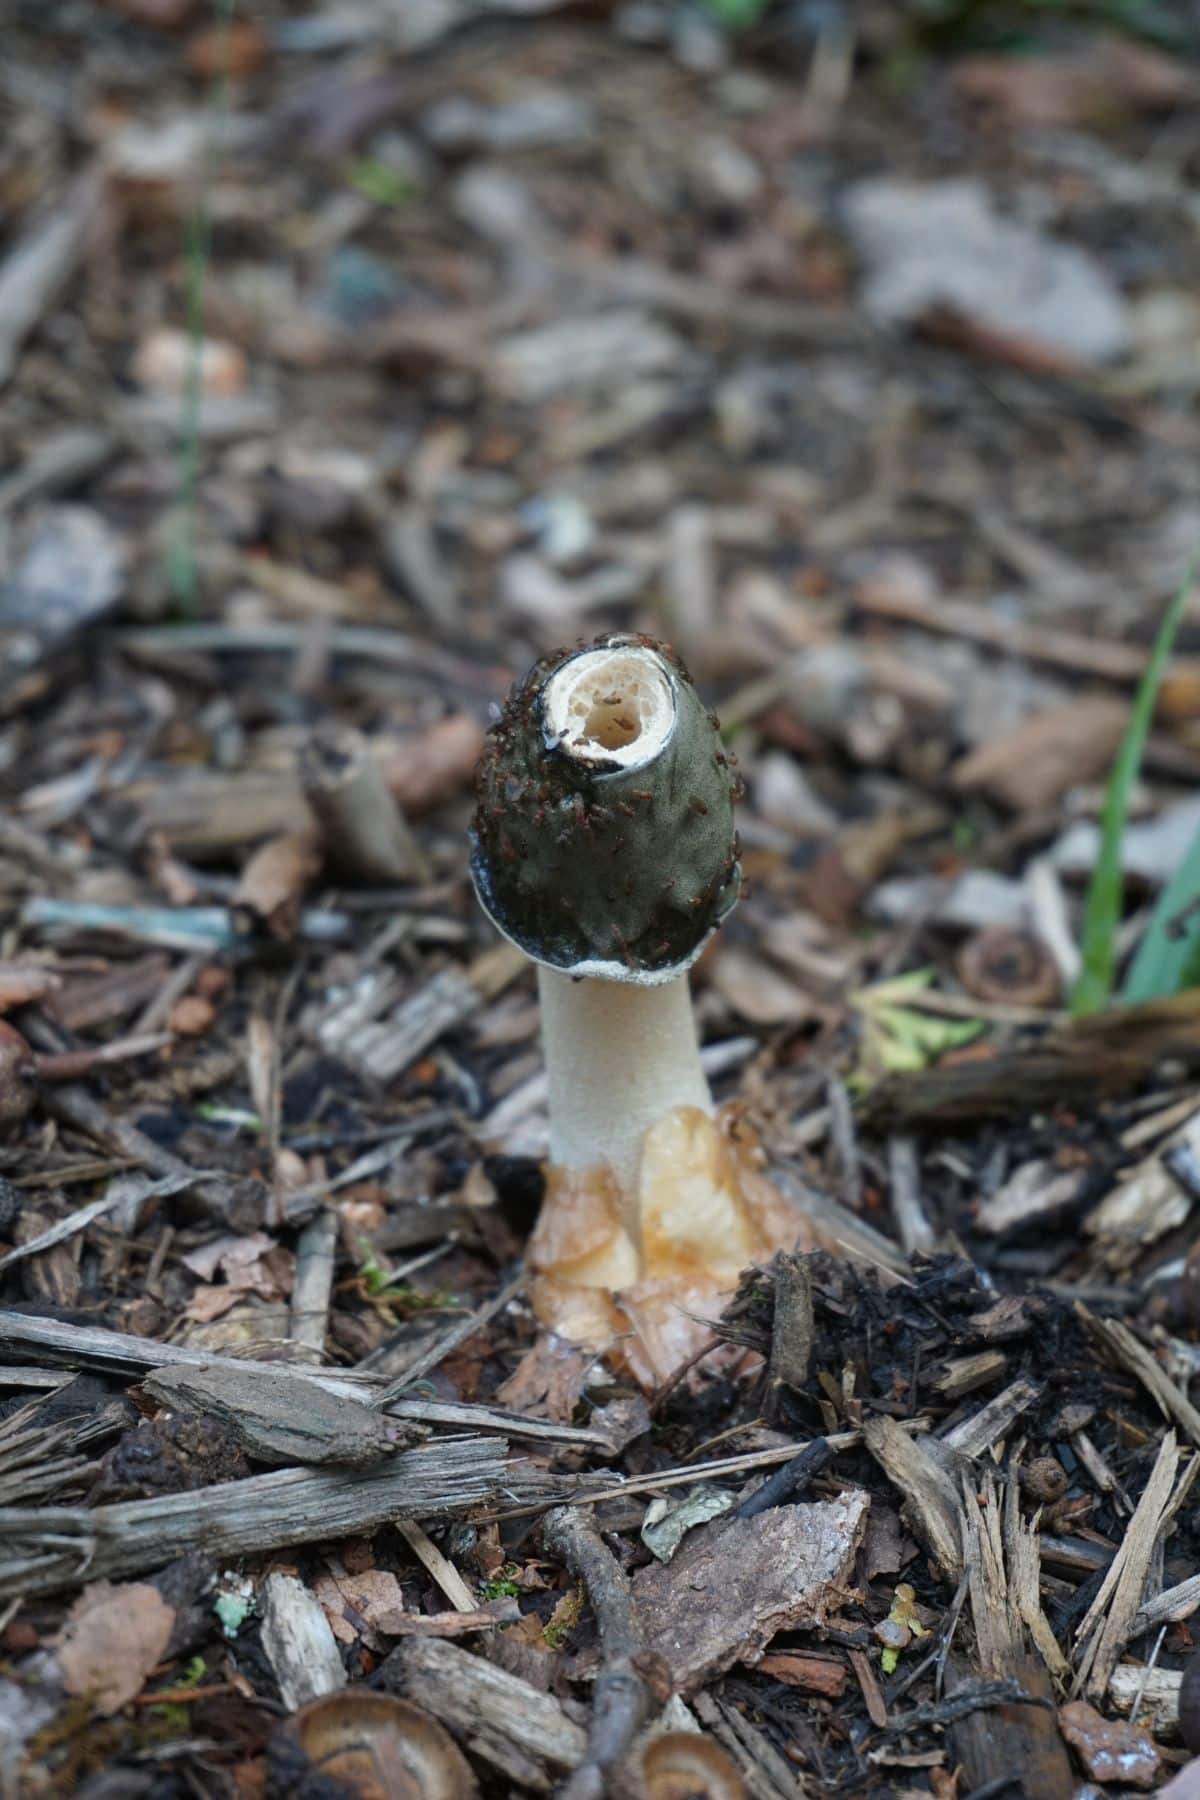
x: 603, y: 841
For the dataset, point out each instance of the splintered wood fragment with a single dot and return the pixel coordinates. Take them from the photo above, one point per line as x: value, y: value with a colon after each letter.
x: 973, y: 1436
x: 65, y: 1228
x: 1081, y: 654
x: 928, y: 1496
x: 204, y: 813
x: 399, y: 1623
x: 438, y: 1566
x: 1022, y: 1738
x: 1023, y: 1561
x: 803, y: 1669
x: 736, y: 1582
x: 1108, y: 1622
x: 791, y: 1330
x: 365, y: 834
x: 43, y: 1548
x: 272, y: 886
x: 284, y: 1420
x: 90, y: 1346
x: 298, y: 1642
x: 500, y: 1719
x: 1085, y: 1058
x: 963, y: 1374
x: 1093, y: 1461
x: 1133, y: 1356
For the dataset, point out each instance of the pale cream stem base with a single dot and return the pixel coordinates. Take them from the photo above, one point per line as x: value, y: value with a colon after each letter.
x: 618, y: 1057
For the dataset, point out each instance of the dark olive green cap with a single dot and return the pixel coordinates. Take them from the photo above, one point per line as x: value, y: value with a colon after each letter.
x: 616, y: 862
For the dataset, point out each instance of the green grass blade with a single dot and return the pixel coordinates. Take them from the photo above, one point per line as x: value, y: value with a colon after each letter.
x: 181, y: 549
x: 1166, y: 960
x: 1106, y: 890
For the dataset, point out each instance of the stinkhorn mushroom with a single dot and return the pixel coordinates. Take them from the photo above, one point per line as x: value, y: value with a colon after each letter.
x: 604, y: 847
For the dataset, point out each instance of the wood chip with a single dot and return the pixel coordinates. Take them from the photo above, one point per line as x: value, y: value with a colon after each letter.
x: 298, y: 1643
x: 993, y: 1421
x: 1128, y: 1353
x: 498, y: 1718
x: 1108, y: 1622
x: 735, y: 1583
x: 928, y: 1495
x: 285, y: 1420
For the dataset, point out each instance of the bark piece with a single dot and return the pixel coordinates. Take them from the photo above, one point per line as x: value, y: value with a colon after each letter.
x: 312, y: 1286
x: 1031, y: 1195
x: 814, y: 1674
x: 736, y: 1583
x: 791, y: 1329
x: 497, y: 1717
x: 298, y: 1643
x: 428, y: 768
x: 286, y: 1419
x: 1145, y: 1205
x: 939, y: 251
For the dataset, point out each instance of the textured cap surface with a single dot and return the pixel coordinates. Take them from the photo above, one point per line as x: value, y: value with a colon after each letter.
x: 603, y: 841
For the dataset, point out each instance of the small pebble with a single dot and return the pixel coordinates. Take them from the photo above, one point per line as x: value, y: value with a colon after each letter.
x: 1110, y: 1749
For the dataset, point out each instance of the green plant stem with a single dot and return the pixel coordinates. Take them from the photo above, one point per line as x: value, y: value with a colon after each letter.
x: 1106, y: 890
x: 182, y: 561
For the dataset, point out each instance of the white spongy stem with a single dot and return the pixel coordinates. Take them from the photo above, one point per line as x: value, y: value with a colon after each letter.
x: 618, y: 1056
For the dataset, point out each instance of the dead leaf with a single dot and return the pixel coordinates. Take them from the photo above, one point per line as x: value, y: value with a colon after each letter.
x: 112, y: 1638
x: 251, y: 1264
x: 548, y: 1380
x: 1101, y: 79
x: 357, y: 1605
x: 759, y: 993
x: 1034, y: 765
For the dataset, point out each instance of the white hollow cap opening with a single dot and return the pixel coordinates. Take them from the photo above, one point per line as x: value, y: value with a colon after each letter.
x: 614, y: 705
